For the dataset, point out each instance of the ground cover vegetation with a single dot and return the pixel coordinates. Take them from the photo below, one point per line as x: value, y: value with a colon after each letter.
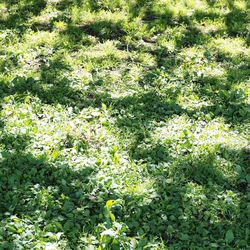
x: 124, y: 124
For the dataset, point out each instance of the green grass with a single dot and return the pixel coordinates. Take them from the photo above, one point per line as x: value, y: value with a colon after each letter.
x: 124, y: 124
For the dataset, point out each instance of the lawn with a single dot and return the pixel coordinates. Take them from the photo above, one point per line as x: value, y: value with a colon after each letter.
x: 124, y: 124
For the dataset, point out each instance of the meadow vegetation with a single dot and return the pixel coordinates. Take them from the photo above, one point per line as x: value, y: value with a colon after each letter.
x: 124, y: 124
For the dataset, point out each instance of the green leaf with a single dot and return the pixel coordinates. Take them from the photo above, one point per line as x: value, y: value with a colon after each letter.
x: 68, y: 206
x: 112, y: 216
x: 109, y: 203
x: 248, y: 178
x: 169, y: 180
x: 55, y: 153
x: 11, y: 229
x: 104, y: 107
x: 229, y: 236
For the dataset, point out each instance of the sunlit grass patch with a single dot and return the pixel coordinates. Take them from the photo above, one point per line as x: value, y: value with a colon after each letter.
x: 39, y: 38
x: 201, y: 133
x: 211, y: 26
x: 232, y: 47
x: 86, y: 17
x: 218, y: 132
x: 240, y: 4
x: 4, y: 12
x: 105, y: 49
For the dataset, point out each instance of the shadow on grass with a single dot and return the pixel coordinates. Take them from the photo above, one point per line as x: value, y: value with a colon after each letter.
x: 194, y: 191
x: 18, y: 19
x: 104, y: 30
x: 55, y: 85
x: 58, y: 197
x: 61, y: 198
x: 192, y: 36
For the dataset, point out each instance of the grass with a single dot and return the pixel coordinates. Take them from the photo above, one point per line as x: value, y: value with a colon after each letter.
x: 124, y: 124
